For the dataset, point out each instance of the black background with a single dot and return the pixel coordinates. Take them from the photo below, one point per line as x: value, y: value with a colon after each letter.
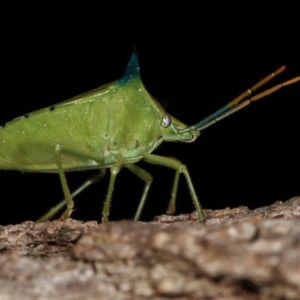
x: 193, y: 60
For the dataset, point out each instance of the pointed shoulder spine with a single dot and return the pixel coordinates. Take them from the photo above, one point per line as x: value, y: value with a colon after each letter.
x: 132, y: 69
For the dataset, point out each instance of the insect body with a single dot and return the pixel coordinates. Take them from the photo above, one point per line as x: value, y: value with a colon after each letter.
x: 110, y: 127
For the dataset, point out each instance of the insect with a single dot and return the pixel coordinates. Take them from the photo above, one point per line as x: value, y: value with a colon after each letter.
x: 110, y: 127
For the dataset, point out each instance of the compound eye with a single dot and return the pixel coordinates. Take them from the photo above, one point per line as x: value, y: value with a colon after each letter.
x: 166, y: 121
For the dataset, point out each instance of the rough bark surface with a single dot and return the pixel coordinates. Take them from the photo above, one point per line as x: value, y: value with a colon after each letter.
x: 237, y: 254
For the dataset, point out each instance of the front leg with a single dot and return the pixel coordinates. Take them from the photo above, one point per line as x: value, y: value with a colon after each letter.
x: 179, y: 167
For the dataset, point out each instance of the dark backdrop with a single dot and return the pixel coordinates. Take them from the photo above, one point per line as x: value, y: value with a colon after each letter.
x: 193, y: 60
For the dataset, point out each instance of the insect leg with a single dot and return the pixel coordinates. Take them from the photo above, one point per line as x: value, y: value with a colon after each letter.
x: 55, y: 209
x: 63, y: 181
x: 147, y: 178
x: 114, y: 170
x: 180, y: 168
x: 172, y: 204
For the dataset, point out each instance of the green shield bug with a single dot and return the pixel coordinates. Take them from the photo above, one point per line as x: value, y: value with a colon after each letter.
x: 110, y: 127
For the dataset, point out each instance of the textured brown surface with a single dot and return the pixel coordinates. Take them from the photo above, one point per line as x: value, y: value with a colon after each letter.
x: 238, y: 254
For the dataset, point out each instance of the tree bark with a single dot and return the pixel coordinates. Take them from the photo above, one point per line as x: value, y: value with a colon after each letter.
x: 237, y: 254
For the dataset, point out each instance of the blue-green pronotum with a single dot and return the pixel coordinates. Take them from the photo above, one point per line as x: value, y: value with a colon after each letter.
x: 110, y: 127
